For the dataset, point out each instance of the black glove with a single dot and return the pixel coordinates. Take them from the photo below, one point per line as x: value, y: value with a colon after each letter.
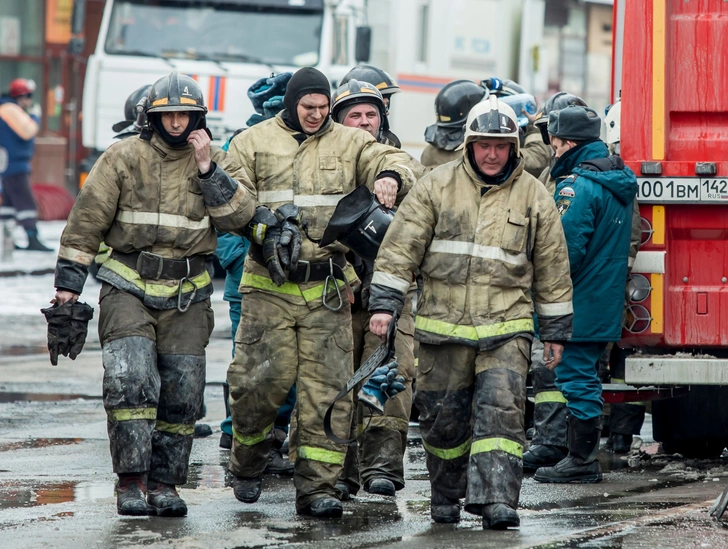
x: 263, y: 220
x: 291, y: 217
x: 271, y: 248
x: 67, y: 329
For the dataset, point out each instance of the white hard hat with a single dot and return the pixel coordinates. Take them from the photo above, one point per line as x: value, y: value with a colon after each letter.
x: 612, y: 123
x: 492, y: 118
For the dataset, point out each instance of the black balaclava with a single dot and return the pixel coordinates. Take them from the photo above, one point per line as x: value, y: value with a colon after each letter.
x: 306, y: 80
x: 177, y: 142
x: 498, y: 179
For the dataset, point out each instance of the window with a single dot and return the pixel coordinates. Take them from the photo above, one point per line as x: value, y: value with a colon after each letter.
x: 423, y: 25
x: 21, y: 27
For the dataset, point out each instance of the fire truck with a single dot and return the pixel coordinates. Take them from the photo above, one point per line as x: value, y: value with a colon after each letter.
x: 670, y: 65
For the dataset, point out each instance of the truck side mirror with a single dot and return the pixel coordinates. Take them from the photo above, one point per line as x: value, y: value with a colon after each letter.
x: 363, y: 47
x: 78, y: 20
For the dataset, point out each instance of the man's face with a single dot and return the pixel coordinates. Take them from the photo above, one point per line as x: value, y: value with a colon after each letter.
x: 365, y: 117
x: 560, y: 146
x: 175, y: 123
x: 491, y: 154
x: 313, y: 109
x: 24, y: 101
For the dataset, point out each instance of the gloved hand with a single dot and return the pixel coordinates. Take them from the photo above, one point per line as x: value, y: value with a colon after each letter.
x: 263, y: 220
x: 271, y: 249
x: 291, y: 217
x: 384, y: 383
x: 67, y: 329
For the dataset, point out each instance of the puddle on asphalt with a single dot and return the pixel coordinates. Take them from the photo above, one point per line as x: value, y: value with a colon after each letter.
x: 42, y: 397
x: 33, y: 443
x: 14, y: 495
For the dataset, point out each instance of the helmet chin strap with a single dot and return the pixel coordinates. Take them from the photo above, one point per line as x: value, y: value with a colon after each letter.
x: 175, y: 141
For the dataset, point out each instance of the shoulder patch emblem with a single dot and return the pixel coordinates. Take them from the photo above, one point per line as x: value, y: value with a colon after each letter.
x: 562, y: 206
x: 568, y: 192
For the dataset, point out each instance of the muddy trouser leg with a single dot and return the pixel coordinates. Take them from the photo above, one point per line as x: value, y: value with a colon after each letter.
x: 325, y: 364
x: 444, y: 397
x: 21, y: 198
x: 260, y: 376
x: 495, y: 470
x: 549, y: 415
x: 577, y: 379
x: 381, y: 449
x: 627, y: 419
x: 131, y: 380
x: 350, y: 472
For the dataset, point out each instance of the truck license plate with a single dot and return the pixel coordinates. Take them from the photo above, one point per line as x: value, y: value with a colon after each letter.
x: 682, y: 189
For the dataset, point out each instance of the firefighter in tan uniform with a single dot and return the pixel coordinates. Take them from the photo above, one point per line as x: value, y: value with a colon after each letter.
x: 375, y: 461
x: 297, y: 329
x: 487, y: 239
x: 156, y: 200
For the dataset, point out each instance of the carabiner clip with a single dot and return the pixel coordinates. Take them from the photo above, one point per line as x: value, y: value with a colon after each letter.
x: 184, y: 279
x: 331, y: 277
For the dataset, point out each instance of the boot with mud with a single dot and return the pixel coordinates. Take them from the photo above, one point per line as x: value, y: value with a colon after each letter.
x: 580, y: 465
x: 443, y: 509
x: 324, y: 507
x: 380, y: 486
x: 165, y: 501
x: 131, y: 490
x: 500, y: 516
x: 247, y: 490
x: 543, y: 455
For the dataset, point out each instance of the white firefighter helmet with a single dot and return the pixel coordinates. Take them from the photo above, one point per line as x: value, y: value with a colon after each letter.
x: 492, y: 118
x: 612, y: 122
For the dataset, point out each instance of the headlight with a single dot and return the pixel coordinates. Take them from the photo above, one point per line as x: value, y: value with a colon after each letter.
x: 638, y: 319
x: 647, y: 230
x: 638, y: 288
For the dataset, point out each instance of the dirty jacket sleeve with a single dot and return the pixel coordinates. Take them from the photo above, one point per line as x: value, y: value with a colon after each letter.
x: 90, y: 219
x: 552, y: 288
x: 536, y: 153
x: 229, y: 195
x: 403, y: 249
x: 377, y: 160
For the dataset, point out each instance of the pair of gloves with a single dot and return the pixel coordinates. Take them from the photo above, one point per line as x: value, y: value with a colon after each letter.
x: 384, y: 383
x: 279, y: 234
x: 67, y: 329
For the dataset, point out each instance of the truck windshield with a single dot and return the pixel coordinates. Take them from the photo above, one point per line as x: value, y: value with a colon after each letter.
x: 255, y: 31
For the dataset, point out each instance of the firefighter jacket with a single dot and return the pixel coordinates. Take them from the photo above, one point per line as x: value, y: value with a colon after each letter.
x: 143, y: 195
x: 536, y: 153
x: 313, y: 172
x: 432, y: 157
x: 596, y: 203
x: 486, y: 254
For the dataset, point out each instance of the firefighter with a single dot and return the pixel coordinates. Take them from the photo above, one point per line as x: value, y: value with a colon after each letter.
x: 379, y: 78
x: 156, y: 200
x: 487, y: 239
x: 548, y: 444
x: 296, y: 325
x: 536, y: 154
x: 594, y: 196
x: 18, y: 128
x: 377, y: 459
x: 452, y: 105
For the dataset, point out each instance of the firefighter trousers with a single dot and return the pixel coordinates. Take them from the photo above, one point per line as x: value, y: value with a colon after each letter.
x: 379, y: 452
x: 472, y: 406
x: 154, y: 380
x: 549, y: 412
x: 279, y: 343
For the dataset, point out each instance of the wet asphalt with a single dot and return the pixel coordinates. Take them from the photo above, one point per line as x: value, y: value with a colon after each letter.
x: 56, y: 484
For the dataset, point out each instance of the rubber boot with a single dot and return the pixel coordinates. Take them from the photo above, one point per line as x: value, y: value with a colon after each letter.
x: 324, y: 507
x: 580, y: 465
x: 165, y: 501
x: 499, y: 516
x: 247, y: 490
x: 279, y: 464
x: 443, y: 509
x: 202, y: 430
x: 619, y: 443
x: 345, y: 490
x: 381, y: 486
x: 543, y: 455
x: 35, y: 245
x: 130, y: 494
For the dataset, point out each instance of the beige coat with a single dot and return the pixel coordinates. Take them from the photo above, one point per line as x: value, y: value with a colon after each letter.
x: 485, y: 259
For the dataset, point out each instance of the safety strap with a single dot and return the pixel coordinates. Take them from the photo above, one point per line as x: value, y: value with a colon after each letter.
x: 384, y: 353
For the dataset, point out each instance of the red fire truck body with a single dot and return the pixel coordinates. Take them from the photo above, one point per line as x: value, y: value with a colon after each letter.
x: 671, y: 66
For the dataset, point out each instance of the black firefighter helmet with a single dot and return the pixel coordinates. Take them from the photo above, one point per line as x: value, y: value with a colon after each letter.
x: 359, y: 223
x: 130, y: 109
x: 559, y: 100
x: 452, y: 105
x: 379, y: 78
x: 176, y: 93
x: 357, y: 93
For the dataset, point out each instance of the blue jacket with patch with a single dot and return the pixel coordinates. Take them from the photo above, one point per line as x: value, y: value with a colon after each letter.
x: 594, y: 195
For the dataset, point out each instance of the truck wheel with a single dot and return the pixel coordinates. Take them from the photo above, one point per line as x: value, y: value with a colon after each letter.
x: 694, y: 425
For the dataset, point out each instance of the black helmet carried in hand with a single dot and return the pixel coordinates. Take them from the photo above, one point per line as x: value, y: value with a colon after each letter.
x: 501, y: 88
x: 176, y: 92
x: 130, y: 112
x: 559, y: 100
x: 452, y: 105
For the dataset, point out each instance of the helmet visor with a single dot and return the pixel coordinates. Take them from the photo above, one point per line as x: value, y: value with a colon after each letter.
x: 493, y: 122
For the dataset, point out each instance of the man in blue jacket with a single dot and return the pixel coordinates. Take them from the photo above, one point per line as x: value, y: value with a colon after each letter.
x: 594, y: 195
